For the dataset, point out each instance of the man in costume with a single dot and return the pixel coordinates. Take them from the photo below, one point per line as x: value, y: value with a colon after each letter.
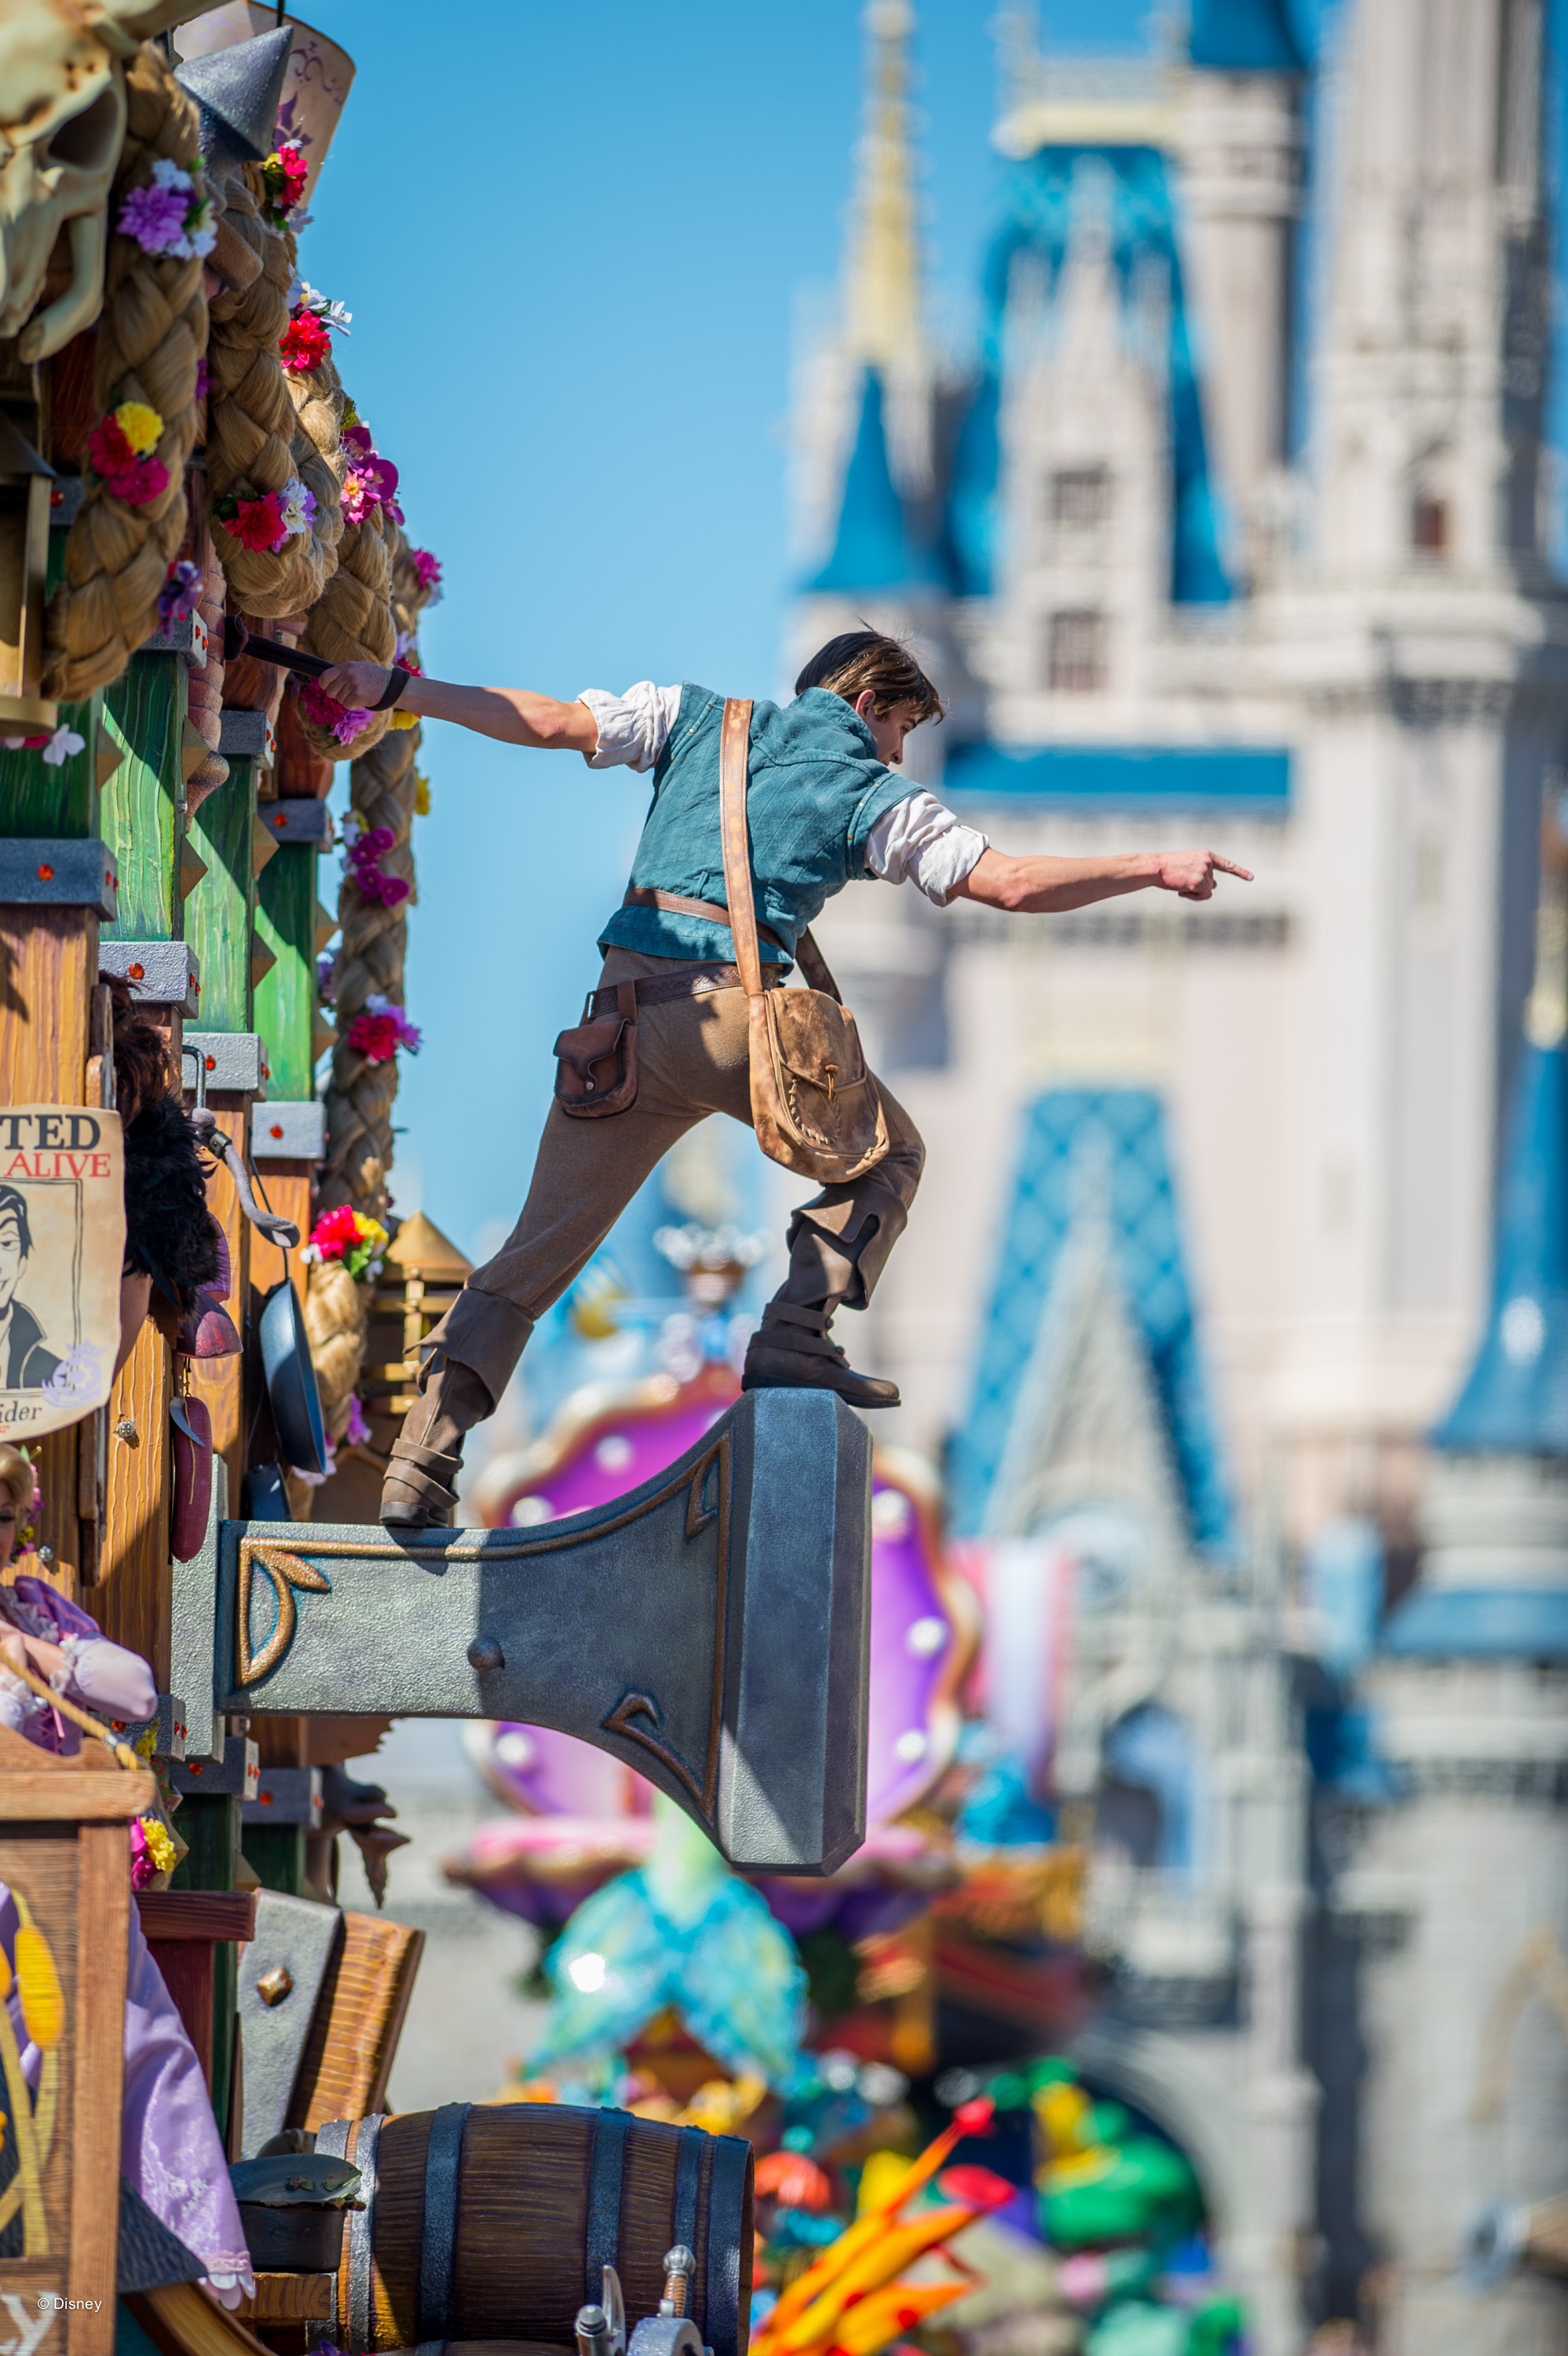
x: 826, y: 807
x: 25, y: 1364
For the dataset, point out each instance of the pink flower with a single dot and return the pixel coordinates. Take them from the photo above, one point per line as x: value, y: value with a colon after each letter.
x: 428, y: 569
x: 335, y: 1232
x: 327, y: 712
x: 137, y: 481
x: 375, y: 1035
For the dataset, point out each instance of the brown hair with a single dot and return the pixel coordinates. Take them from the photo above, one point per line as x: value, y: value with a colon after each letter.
x: 17, y: 1478
x: 144, y: 1067
x: 858, y: 659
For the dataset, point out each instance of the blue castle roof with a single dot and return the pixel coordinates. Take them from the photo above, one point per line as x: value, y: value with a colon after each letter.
x: 1125, y: 1126
x: 874, y: 546
x: 1244, y: 37
x: 1515, y: 1400
x: 1036, y: 219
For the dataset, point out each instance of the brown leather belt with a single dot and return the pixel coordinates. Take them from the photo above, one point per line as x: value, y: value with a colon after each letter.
x: 696, y: 981
x: 643, y: 895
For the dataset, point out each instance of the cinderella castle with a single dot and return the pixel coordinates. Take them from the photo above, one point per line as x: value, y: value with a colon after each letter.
x: 1236, y: 1302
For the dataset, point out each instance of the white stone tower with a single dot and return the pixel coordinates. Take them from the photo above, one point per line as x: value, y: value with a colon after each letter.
x: 1466, y: 1874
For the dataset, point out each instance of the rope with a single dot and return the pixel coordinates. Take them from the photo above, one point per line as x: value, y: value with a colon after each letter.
x: 153, y: 331
x: 124, y: 1755
x: 254, y: 440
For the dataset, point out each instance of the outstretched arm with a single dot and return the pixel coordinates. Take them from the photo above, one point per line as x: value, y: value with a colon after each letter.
x: 514, y: 716
x: 1037, y: 887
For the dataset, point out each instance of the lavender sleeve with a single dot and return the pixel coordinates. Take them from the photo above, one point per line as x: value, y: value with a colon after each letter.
x: 111, y: 1679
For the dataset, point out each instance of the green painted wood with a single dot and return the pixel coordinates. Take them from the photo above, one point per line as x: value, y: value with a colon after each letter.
x: 275, y: 1854
x: 219, y: 913
x: 37, y: 798
x: 144, y: 714
x: 211, y: 1829
x: 285, y: 998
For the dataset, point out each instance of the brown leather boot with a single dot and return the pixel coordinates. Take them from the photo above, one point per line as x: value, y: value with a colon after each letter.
x: 420, y: 1490
x: 791, y: 1350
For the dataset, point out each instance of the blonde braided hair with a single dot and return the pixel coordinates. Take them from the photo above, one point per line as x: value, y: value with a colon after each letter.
x: 152, y: 334
x: 254, y: 442
x: 352, y: 622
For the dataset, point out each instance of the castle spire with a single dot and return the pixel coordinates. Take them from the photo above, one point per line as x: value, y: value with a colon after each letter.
x: 881, y: 275
x: 1516, y: 1399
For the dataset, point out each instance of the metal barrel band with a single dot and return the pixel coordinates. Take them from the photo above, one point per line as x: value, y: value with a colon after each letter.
x: 361, y: 2303
x: 726, y: 2198
x: 438, y: 2248
x: 606, y: 2167
x: 688, y: 2187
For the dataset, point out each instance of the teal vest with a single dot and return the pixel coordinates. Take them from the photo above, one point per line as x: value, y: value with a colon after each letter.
x: 816, y: 789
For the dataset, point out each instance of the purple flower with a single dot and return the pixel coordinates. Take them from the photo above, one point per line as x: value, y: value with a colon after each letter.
x: 181, y: 592
x: 324, y: 972
x: 203, y: 380
x: 155, y: 217
x: 357, y: 1431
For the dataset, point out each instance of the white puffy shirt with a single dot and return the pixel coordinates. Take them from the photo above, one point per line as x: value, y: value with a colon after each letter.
x: 918, y: 841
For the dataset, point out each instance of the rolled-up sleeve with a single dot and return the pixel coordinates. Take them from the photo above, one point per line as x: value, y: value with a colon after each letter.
x: 634, y: 727
x: 921, y: 842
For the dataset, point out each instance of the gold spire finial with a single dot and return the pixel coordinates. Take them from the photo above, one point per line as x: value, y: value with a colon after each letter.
x: 1546, y: 1009
x: 881, y: 294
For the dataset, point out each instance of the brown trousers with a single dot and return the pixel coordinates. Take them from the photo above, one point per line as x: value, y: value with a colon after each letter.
x: 692, y: 1061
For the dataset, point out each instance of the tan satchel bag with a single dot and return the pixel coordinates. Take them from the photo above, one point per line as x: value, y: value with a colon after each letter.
x: 814, y: 1104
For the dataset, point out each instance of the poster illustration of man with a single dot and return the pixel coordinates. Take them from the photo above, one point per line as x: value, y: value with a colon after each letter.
x: 62, y: 1244
x: 25, y: 1364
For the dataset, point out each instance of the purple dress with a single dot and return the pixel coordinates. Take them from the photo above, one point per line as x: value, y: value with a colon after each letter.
x: 169, y: 2143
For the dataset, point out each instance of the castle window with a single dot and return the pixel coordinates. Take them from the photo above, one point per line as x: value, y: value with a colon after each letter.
x: 1075, y: 661
x: 1428, y: 524
x: 1080, y: 497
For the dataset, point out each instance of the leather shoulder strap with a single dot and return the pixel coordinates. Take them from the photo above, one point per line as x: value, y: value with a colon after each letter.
x: 814, y: 965
x: 734, y: 750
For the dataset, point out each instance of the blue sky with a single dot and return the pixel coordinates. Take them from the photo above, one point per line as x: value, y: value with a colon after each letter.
x: 572, y: 240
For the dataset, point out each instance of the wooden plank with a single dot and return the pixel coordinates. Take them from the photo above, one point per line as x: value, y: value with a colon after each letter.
x: 144, y: 713
x: 358, y: 2018
x: 186, y: 1965
x: 291, y: 2298
x: 219, y: 913
x: 37, y: 798
x: 57, y: 1799
x: 215, y: 1915
x: 48, y: 965
x: 131, y: 1604
x: 285, y: 998
x: 103, y: 1895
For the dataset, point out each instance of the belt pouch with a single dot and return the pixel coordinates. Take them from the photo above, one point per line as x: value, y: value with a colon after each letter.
x: 596, y: 1064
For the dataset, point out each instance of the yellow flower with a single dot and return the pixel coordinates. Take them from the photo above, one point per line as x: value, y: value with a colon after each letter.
x: 371, y: 1231
x: 43, y: 2003
x: 160, y: 1849
x: 421, y: 796
x: 140, y: 425
x: 405, y: 720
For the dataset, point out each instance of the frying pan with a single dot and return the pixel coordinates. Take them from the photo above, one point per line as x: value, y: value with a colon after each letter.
x: 290, y: 1381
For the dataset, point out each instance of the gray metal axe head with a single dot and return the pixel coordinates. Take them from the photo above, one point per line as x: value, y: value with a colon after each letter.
x: 710, y: 1628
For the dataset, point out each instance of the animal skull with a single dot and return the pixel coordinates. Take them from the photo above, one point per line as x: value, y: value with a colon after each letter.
x: 62, y: 125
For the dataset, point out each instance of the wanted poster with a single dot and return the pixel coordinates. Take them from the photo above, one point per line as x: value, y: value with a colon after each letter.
x: 62, y: 1243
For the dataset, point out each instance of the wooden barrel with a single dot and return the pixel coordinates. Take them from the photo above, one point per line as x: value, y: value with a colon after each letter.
x: 495, y: 2222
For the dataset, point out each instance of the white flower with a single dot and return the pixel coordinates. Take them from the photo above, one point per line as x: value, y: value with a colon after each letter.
x: 63, y: 747
x: 299, y: 507
x: 297, y: 291
x: 331, y: 314
x: 168, y: 175
x: 200, y: 237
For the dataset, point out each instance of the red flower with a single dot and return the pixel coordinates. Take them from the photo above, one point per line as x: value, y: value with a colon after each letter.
x: 304, y: 343
x: 137, y: 481
x: 108, y: 451
x: 335, y: 1232
x: 258, y: 523
x: 375, y: 1035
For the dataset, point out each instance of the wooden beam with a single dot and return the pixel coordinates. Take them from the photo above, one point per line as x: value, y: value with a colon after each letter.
x: 144, y: 805
x: 133, y: 1600
x: 285, y: 999
x: 219, y: 913
x: 37, y: 798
